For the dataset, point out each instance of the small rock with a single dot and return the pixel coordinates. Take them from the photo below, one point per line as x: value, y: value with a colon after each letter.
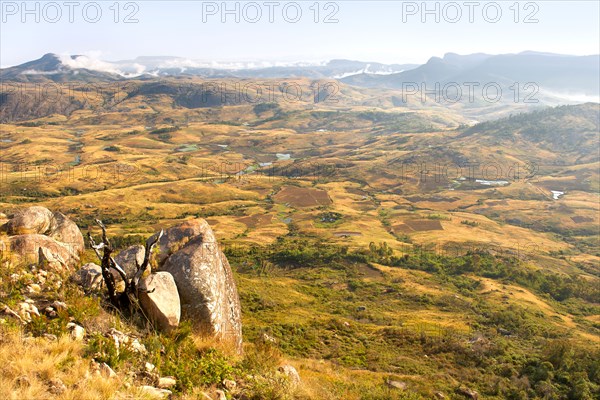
x: 150, y: 367
x: 59, y: 305
x: 504, y: 332
x: 229, y: 384
x: 129, y: 260
x: 291, y: 373
x: 56, y: 386
x: 22, y: 381
x: 34, y: 288
x: 220, y: 395
x: 397, y: 384
x: 156, y: 392
x: 50, y: 312
x: 89, y: 277
x: 469, y: 393
x: 50, y: 337
x: 121, y: 339
x: 26, y: 310
x: 77, y: 332
x: 138, y: 347
x: 107, y: 371
x: 166, y: 382
x: 268, y: 338
x: 439, y: 395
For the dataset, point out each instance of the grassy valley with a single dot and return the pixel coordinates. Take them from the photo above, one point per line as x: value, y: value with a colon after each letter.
x: 387, y: 252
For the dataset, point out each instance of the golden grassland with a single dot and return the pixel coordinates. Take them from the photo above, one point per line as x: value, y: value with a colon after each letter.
x: 145, y: 165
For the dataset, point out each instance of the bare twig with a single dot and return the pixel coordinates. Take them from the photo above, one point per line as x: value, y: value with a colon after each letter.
x: 150, y: 243
x: 129, y: 297
x: 113, y: 263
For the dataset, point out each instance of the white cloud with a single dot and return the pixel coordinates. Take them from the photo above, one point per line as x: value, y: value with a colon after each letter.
x: 92, y: 62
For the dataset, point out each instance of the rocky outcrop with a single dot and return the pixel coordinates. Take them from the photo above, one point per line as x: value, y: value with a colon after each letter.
x: 89, y: 277
x: 468, y: 393
x: 63, y: 230
x: 37, y: 235
x: 292, y: 375
x: 129, y: 259
x: 41, y: 249
x: 207, y: 290
x: 32, y: 220
x: 176, y: 237
x: 160, y: 300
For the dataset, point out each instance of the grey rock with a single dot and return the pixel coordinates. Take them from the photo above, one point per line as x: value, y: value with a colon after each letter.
x: 177, y: 236
x: 156, y: 392
x: 107, y: 371
x: 32, y: 220
x: 166, y: 382
x: 43, y: 250
x: 159, y: 299
x: 291, y: 373
x: 56, y: 386
x: 65, y: 231
x: 220, y: 395
x: 397, y: 384
x: 129, y: 259
x: 89, y: 277
x: 468, y: 393
x: 204, y: 280
x: 229, y: 384
x: 77, y: 332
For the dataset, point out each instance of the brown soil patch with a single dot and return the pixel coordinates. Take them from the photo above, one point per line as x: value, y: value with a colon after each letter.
x: 302, y: 197
x: 418, y: 226
x: 433, y: 199
x: 579, y: 219
x: 256, y: 220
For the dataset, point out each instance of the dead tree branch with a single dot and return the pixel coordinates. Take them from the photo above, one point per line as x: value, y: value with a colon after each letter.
x: 129, y: 296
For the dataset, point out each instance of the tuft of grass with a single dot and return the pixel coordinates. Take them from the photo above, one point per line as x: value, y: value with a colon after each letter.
x: 30, y: 366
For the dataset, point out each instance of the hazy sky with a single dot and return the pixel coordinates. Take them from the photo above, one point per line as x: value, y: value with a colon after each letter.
x: 385, y: 31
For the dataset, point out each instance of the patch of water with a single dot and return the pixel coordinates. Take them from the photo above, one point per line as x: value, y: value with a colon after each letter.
x: 491, y: 183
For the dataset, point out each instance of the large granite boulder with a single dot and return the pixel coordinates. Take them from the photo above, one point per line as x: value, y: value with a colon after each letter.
x: 207, y: 290
x: 66, y: 231
x: 39, y: 220
x: 129, y: 259
x: 176, y: 237
x: 160, y: 300
x: 41, y: 249
x: 32, y: 220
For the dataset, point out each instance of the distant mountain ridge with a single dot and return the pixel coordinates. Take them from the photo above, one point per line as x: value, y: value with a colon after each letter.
x: 551, y: 72
x: 60, y: 68
x: 555, y: 74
